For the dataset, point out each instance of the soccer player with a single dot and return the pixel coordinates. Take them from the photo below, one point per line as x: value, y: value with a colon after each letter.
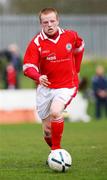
x: 52, y: 59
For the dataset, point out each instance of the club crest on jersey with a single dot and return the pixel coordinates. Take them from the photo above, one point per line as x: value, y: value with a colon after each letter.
x: 68, y: 46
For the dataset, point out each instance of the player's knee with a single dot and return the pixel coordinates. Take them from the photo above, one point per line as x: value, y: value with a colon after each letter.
x: 55, y: 114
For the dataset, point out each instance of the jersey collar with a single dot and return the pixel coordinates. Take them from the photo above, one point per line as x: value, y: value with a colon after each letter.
x: 61, y: 31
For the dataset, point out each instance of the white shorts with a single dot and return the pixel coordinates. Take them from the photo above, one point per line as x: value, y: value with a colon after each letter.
x: 45, y: 96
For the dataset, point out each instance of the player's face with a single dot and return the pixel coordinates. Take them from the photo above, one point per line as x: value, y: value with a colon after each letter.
x: 49, y: 23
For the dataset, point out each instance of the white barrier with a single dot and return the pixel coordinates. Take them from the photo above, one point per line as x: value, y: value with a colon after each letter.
x: 18, y: 106
x: 17, y: 99
x: 77, y: 109
x: 11, y: 100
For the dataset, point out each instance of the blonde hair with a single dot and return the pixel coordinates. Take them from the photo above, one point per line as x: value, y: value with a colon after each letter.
x: 99, y: 70
x: 47, y: 11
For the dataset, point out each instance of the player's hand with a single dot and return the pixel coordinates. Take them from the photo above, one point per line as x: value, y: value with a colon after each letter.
x: 44, y: 80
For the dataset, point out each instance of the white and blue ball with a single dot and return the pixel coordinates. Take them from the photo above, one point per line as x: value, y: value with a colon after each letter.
x: 59, y: 160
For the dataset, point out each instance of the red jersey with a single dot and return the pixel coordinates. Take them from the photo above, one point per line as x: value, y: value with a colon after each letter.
x: 58, y: 58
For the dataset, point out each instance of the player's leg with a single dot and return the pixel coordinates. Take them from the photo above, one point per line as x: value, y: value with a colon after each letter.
x: 57, y: 123
x: 53, y: 124
x: 61, y: 99
x: 43, y: 101
x: 46, y: 125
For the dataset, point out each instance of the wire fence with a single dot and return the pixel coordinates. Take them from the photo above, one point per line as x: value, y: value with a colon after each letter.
x: 20, y: 29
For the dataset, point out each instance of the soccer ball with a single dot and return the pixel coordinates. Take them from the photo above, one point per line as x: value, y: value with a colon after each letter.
x: 59, y: 160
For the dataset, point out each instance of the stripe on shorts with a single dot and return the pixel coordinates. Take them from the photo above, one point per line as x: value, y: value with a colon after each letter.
x: 73, y: 95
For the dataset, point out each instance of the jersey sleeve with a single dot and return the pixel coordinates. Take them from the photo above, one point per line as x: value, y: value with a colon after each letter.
x: 31, y: 61
x: 78, y: 52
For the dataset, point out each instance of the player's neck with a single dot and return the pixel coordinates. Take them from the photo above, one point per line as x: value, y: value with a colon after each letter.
x: 54, y: 36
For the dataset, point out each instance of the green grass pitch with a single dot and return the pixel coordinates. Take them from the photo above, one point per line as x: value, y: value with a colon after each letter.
x: 23, y: 152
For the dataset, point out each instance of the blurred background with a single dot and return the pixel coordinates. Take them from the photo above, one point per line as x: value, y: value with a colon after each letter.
x: 19, y: 23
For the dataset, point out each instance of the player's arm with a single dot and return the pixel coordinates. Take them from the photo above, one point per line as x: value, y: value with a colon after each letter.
x: 31, y: 61
x: 78, y: 52
x: 30, y: 65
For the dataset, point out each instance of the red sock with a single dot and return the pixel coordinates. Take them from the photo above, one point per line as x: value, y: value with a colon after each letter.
x: 48, y: 141
x: 56, y: 132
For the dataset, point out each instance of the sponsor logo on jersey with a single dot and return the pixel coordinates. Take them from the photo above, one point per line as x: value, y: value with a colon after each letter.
x: 51, y: 57
x: 68, y: 46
